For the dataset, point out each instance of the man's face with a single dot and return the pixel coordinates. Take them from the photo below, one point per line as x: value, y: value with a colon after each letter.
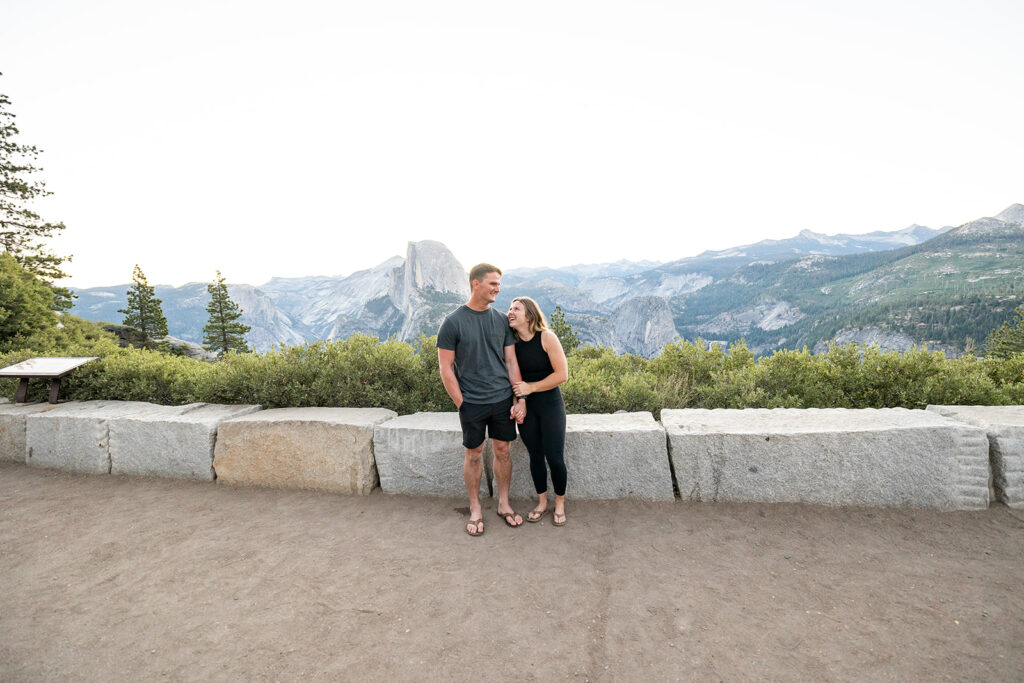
x: 488, y: 287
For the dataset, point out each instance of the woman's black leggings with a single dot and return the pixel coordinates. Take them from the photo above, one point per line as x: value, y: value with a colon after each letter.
x: 543, y: 433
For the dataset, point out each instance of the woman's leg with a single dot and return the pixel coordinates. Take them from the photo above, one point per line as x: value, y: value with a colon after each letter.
x: 530, y: 433
x: 553, y: 437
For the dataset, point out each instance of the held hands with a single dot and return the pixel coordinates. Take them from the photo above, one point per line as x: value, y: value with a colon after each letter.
x: 518, y: 412
x: 522, y: 389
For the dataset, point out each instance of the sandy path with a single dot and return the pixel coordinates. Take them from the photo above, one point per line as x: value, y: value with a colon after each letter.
x: 121, y: 578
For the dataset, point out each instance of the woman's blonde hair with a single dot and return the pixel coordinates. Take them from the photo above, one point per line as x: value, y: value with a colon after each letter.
x: 533, y: 315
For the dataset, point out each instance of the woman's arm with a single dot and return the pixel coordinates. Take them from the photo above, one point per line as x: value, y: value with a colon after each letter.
x: 549, y: 342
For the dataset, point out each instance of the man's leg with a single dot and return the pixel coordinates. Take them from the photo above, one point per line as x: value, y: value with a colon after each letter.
x: 473, y: 430
x: 503, y: 473
x: 472, y: 470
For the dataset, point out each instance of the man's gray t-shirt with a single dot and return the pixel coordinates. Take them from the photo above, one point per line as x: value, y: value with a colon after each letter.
x: 478, y: 339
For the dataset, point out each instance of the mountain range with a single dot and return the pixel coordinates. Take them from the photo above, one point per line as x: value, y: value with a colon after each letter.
x: 946, y: 287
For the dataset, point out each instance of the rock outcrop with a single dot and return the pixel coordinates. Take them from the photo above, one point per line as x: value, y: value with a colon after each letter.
x: 420, y: 290
x: 270, y: 325
x: 886, y: 340
x: 643, y: 326
x: 768, y: 315
x: 187, y: 348
x: 430, y: 285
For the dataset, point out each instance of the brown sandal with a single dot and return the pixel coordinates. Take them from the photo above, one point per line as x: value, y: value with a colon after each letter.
x: 539, y: 515
x: 478, y: 527
x: 554, y: 519
x: 508, y: 517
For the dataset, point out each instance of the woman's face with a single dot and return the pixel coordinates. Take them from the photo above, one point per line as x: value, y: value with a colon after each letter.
x: 516, y: 314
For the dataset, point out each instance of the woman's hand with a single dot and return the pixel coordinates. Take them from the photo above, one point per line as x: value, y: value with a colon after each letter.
x: 522, y: 389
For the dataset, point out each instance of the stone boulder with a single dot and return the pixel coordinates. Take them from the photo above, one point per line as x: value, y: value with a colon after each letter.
x: 75, y: 436
x: 624, y: 455
x: 1004, y: 426
x: 328, y: 449
x: 12, y: 428
x: 169, y: 441
x: 186, y: 348
x: 422, y: 454
x: 889, y: 457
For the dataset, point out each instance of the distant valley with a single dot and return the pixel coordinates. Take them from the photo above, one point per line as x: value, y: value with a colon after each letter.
x: 945, y: 287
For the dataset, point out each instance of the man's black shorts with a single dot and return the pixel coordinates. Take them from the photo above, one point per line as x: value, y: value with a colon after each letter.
x: 494, y: 416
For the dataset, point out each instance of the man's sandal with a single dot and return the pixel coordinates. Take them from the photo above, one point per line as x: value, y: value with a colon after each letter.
x: 554, y: 519
x: 478, y: 527
x: 508, y: 517
x: 536, y: 515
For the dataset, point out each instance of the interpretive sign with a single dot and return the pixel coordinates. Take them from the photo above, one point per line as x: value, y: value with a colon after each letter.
x: 43, y: 368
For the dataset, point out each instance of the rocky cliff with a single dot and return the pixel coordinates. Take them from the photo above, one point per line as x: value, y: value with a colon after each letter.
x: 643, y: 325
x: 425, y: 288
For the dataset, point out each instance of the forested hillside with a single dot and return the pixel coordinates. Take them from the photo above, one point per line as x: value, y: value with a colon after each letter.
x: 947, y: 292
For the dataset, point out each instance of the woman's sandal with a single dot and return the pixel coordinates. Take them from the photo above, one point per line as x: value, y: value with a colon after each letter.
x: 478, y: 527
x: 554, y: 519
x: 508, y: 517
x: 535, y: 515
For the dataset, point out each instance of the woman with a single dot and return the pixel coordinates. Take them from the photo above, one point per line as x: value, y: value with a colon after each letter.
x: 543, y: 367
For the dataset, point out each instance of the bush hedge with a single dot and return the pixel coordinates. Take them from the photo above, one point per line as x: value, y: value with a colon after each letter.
x: 363, y: 371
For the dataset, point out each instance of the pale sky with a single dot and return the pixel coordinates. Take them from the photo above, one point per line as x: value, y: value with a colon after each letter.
x: 318, y: 138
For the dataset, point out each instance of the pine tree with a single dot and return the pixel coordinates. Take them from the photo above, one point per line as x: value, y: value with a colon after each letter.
x: 143, y: 311
x: 22, y: 230
x: 563, y: 330
x: 223, y: 332
x: 1009, y: 338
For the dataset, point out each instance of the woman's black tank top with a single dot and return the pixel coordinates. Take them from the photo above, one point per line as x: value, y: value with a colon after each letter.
x: 534, y: 364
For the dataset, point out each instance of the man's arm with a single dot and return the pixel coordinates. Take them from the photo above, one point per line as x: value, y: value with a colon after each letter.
x: 514, y: 376
x: 446, y: 361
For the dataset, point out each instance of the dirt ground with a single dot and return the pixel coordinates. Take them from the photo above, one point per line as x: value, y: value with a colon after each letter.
x: 113, y: 578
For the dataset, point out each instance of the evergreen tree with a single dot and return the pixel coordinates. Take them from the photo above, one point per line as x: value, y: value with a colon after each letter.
x: 223, y: 332
x: 143, y: 311
x: 1009, y: 338
x: 563, y: 330
x: 24, y: 304
x: 22, y: 230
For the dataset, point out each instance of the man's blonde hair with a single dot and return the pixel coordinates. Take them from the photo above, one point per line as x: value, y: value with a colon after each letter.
x: 534, y: 316
x: 478, y: 271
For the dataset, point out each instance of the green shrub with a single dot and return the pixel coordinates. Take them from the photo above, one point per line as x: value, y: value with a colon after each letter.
x: 136, y: 375
x: 601, y: 382
x: 363, y: 371
x: 356, y: 372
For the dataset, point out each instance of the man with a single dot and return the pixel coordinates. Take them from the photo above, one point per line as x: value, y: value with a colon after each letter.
x: 476, y: 352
